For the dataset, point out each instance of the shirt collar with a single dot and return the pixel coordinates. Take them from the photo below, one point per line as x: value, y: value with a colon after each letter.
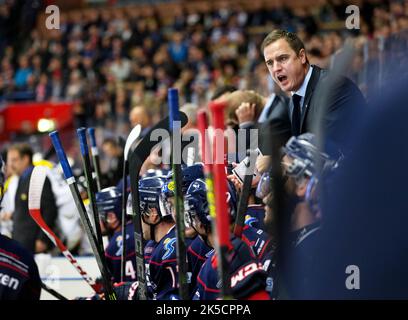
x: 171, y: 229
x: 299, y: 235
x: 302, y: 90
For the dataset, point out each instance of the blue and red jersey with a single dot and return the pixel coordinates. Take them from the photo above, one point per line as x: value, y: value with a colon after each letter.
x: 255, y: 215
x: 113, y: 255
x: 197, y: 253
x: 208, y: 284
x: 162, y: 269
x: 19, y: 276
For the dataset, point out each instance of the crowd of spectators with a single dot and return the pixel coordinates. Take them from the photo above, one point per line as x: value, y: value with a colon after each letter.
x: 109, y: 60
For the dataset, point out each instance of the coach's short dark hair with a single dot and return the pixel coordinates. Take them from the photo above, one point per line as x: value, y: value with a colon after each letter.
x: 294, y: 41
x: 23, y: 149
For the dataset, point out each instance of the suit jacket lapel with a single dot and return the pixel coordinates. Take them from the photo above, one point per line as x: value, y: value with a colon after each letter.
x: 309, y: 91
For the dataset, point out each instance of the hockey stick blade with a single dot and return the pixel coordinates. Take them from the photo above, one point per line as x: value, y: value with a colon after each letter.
x: 37, y: 181
x: 133, y: 136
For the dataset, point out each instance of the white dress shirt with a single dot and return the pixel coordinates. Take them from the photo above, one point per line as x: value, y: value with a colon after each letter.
x: 302, y: 90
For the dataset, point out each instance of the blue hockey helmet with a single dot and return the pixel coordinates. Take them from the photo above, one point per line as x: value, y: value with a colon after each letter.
x: 196, y: 204
x: 109, y: 200
x: 307, y: 157
x: 150, y: 195
x: 189, y: 174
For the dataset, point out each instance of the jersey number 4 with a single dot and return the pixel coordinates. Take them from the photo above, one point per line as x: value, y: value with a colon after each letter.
x: 130, y: 270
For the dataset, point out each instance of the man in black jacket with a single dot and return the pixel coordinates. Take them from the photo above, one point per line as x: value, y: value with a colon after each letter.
x: 25, y: 230
x: 19, y: 277
x: 321, y: 101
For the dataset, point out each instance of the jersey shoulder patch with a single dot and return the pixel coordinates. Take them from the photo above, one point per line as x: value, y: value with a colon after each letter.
x: 169, y: 247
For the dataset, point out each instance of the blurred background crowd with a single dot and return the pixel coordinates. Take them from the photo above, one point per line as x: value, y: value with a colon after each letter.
x: 111, y: 59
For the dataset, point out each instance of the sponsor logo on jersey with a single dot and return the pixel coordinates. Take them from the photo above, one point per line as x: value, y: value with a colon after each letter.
x: 250, y: 220
x: 171, y: 186
x: 244, y: 272
x: 169, y: 247
x: 10, y: 282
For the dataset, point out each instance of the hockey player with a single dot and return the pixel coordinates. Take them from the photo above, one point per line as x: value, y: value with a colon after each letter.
x: 303, y: 166
x: 242, y: 255
x: 189, y: 174
x: 19, y: 276
x: 158, y: 225
x: 255, y: 215
x: 197, y: 249
x: 109, y: 204
x: 197, y: 253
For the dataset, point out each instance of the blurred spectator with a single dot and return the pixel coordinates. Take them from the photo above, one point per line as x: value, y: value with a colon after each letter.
x: 140, y: 115
x: 190, y: 110
x: 99, y: 42
x: 178, y: 48
x: 75, y: 85
x: 8, y: 203
x: 25, y: 230
x: 23, y: 72
x: 120, y: 68
x: 43, y: 89
x: 114, y: 153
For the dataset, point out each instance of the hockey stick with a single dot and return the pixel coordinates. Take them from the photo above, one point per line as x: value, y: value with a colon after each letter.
x: 90, y: 186
x: 37, y: 181
x: 220, y: 191
x: 245, y: 194
x: 134, y: 134
x: 136, y: 159
x: 207, y: 159
x: 206, y: 156
x: 51, y: 291
x: 175, y: 133
x: 100, y: 257
x: 95, y: 158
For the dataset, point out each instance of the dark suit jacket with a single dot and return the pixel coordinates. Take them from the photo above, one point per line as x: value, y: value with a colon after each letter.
x: 276, y: 130
x: 25, y: 230
x: 334, y: 99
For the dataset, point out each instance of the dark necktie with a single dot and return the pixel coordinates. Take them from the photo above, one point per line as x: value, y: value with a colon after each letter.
x: 296, y: 115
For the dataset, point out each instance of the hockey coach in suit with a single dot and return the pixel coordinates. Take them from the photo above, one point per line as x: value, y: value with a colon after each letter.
x: 318, y: 97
